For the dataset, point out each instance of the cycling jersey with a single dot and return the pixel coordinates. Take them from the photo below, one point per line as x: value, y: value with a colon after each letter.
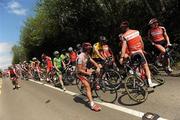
x: 58, y: 62
x: 83, y: 59
x: 157, y: 34
x: 12, y: 73
x: 73, y: 56
x: 106, y: 51
x: 65, y: 58
x: 134, y: 40
x: 48, y: 62
x: 96, y: 46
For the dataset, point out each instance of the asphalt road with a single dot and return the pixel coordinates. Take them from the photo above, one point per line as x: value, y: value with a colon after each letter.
x: 39, y: 102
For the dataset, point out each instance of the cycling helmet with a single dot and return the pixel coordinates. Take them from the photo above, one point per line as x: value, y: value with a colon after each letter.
x: 78, y: 45
x: 25, y: 62
x: 63, y: 50
x: 34, y: 58
x: 43, y: 55
x: 103, y: 39
x: 86, y: 46
x: 153, y: 20
x: 56, y: 53
x: 70, y: 49
x: 124, y: 24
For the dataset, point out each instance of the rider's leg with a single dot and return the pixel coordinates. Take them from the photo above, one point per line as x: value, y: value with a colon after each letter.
x: 61, y: 81
x: 88, y: 91
x: 162, y: 51
x: 147, y: 71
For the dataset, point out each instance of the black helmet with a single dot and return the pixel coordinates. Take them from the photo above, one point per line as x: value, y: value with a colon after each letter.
x: 103, y: 39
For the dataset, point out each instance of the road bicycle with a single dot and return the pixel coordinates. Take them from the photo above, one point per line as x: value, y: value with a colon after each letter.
x: 105, y: 90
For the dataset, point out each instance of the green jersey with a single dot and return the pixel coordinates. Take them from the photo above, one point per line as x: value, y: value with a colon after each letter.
x: 58, y: 62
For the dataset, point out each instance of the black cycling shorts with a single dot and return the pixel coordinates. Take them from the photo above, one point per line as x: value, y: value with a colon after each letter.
x: 162, y: 42
x: 138, y: 58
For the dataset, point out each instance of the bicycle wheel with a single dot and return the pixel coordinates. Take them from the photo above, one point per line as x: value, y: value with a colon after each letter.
x: 112, y: 77
x: 136, y: 88
x: 55, y: 79
x: 80, y: 86
x: 157, y: 79
x: 106, y: 92
x: 154, y: 70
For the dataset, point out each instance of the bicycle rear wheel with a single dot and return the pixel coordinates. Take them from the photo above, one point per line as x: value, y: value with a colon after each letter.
x: 154, y: 70
x: 106, y: 92
x: 157, y: 79
x: 136, y: 88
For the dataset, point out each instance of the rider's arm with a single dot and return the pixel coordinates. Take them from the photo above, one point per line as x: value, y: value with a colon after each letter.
x: 142, y: 44
x: 123, y: 49
x: 149, y: 37
x: 81, y: 70
x: 165, y: 35
x: 94, y: 63
x: 64, y: 65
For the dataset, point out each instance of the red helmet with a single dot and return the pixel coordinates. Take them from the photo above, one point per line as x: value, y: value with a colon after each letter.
x: 153, y: 20
x: 86, y: 46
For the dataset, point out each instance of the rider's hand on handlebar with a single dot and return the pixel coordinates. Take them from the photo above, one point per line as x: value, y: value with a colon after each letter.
x: 121, y: 61
x: 98, y: 70
x: 169, y: 44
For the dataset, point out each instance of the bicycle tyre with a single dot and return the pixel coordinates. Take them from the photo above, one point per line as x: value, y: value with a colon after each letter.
x: 158, y: 79
x: 106, y: 93
x: 113, y: 77
x: 80, y: 86
x: 140, y: 87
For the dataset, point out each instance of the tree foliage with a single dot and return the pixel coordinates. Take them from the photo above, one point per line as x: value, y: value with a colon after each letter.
x: 59, y: 24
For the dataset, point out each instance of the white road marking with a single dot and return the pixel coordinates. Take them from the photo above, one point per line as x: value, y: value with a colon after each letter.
x: 109, y: 105
x: 0, y: 85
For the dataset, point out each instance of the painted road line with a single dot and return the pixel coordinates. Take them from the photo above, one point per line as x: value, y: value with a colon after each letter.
x: 109, y: 105
x: 0, y: 85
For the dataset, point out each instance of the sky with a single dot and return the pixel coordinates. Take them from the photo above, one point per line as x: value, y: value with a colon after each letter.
x: 13, y: 13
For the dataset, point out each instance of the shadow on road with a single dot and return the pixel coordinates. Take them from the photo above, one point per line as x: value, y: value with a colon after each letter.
x: 79, y: 99
x: 124, y: 99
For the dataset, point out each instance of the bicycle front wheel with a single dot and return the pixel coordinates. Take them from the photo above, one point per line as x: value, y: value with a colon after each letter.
x: 113, y: 77
x: 80, y: 86
x: 136, y: 88
x: 106, y: 92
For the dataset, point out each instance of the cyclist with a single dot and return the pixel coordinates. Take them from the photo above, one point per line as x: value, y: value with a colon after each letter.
x: 58, y: 65
x: 35, y: 65
x: 83, y: 72
x: 159, y: 38
x: 72, y: 56
x: 97, y: 49
x: 13, y: 77
x: 133, y: 41
x: 48, y: 63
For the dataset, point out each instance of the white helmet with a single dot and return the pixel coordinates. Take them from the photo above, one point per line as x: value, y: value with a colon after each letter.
x: 70, y: 49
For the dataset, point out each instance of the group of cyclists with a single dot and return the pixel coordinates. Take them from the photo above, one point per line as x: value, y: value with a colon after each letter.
x: 130, y: 42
